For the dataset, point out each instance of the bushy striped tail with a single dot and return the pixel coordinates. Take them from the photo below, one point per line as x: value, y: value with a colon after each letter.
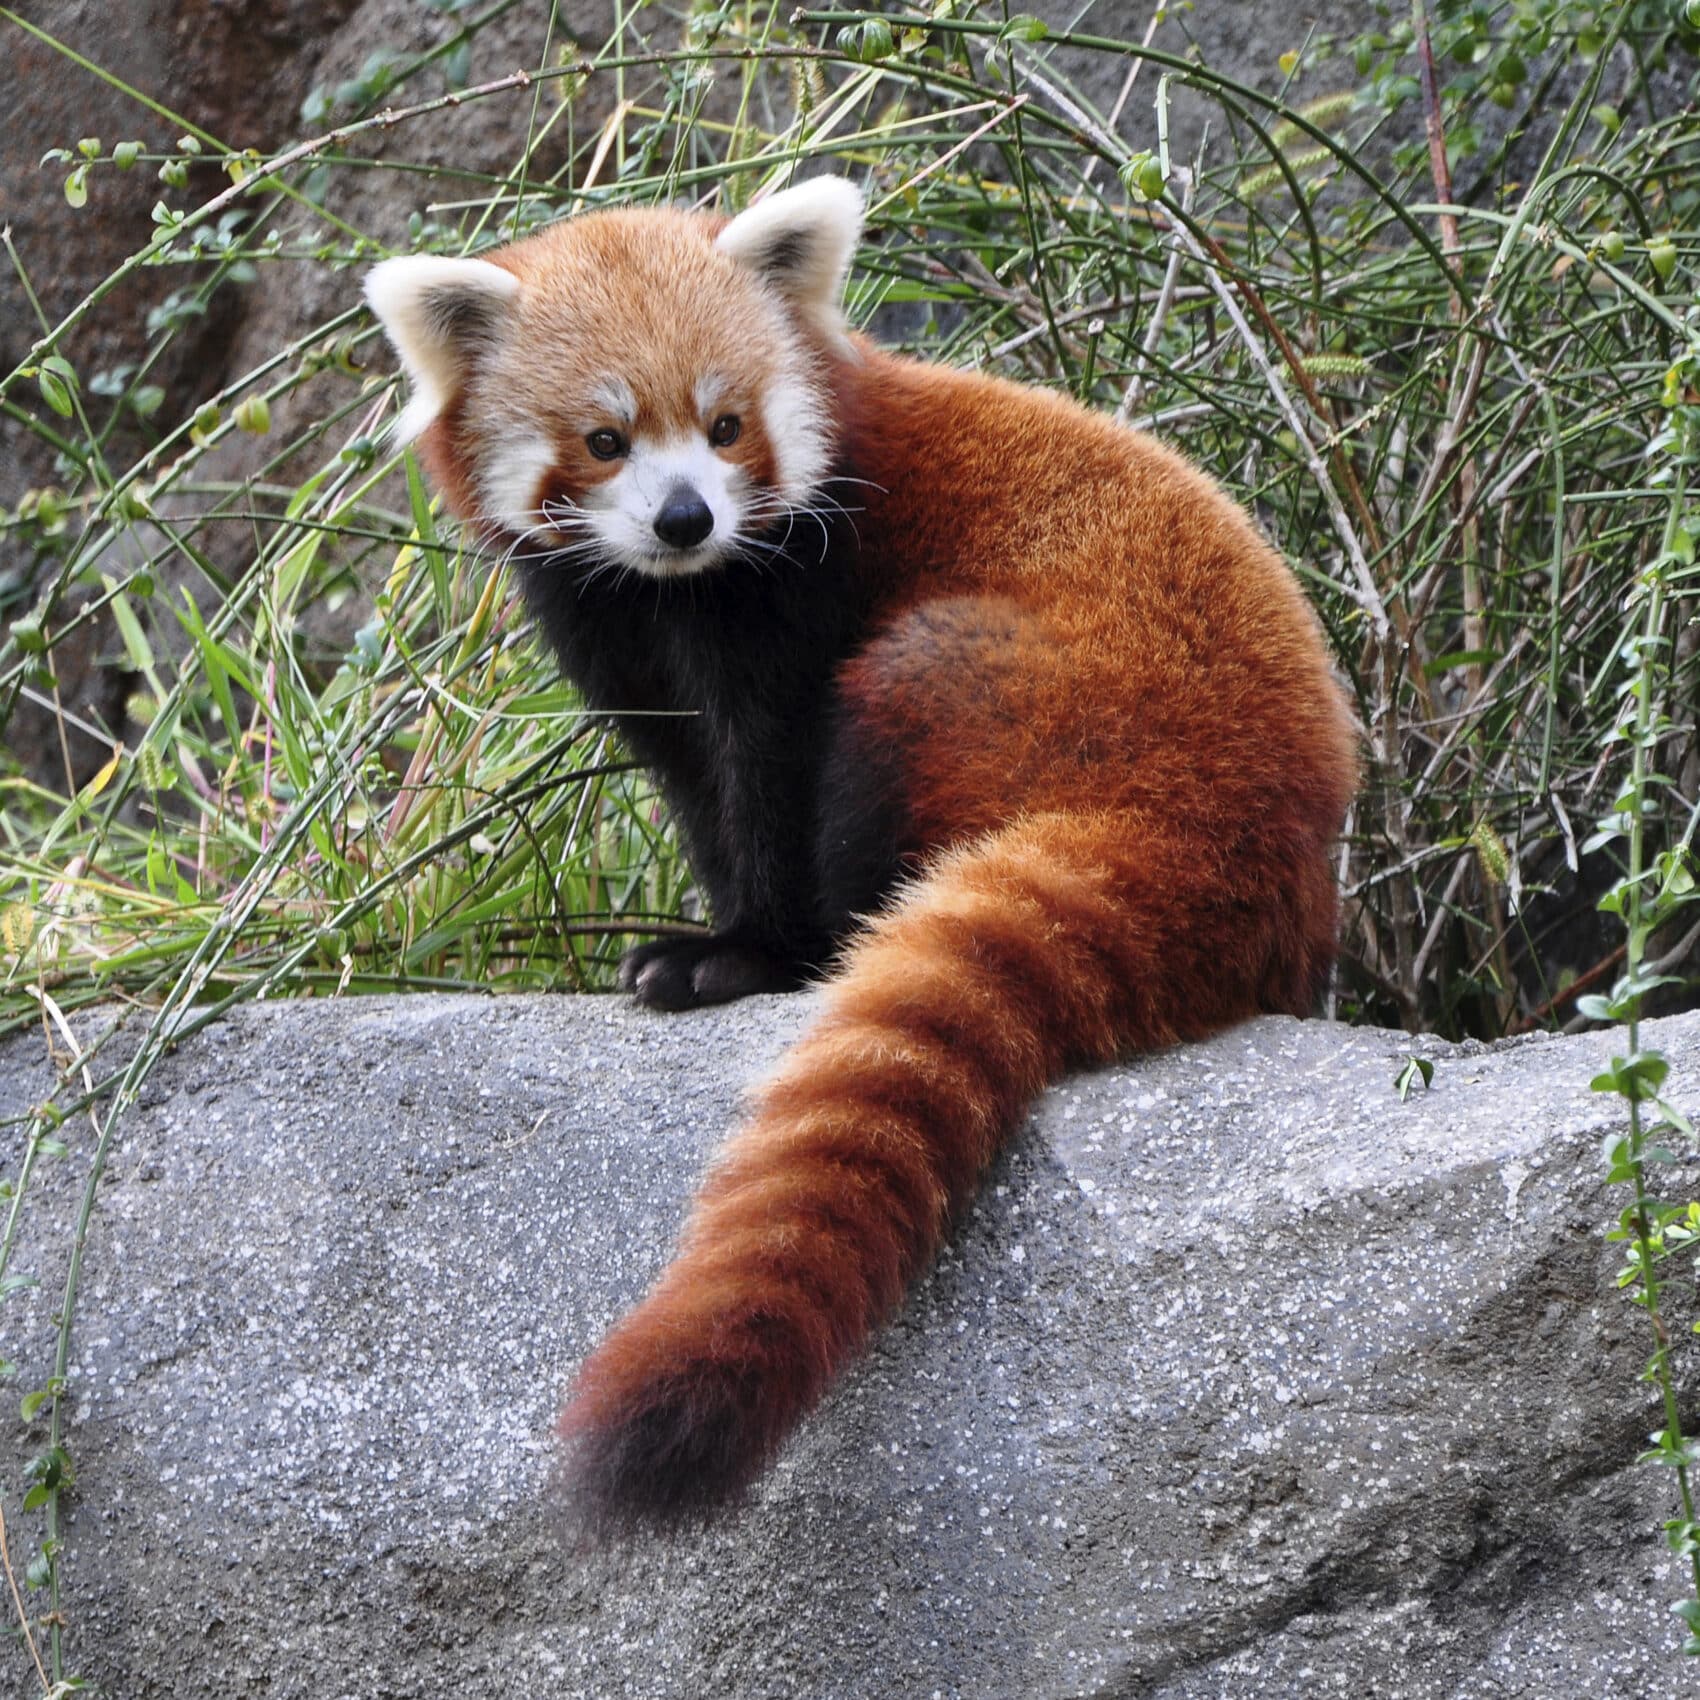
x: 1057, y: 941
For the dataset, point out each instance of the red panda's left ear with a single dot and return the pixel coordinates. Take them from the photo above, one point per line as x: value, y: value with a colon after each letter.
x: 801, y: 241
x: 441, y: 314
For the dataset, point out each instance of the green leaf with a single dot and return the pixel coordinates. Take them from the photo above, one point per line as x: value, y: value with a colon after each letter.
x: 136, y: 644
x: 1415, y: 1069
x: 419, y: 502
x: 77, y: 187
x: 54, y: 393
x: 867, y: 42
x: 1637, y: 1077
x: 1648, y: 1069
x: 52, y: 1468
x: 217, y: 662
x: 1673, y: 1117
x: 1682, y: 1536
x: 292, y: 570
x: 254, y: 415
x: 1142, y: 176
x: 303, y: 497
x: 1024, y: 26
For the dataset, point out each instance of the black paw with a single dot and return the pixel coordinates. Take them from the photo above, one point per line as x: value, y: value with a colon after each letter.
x: 716, y: 968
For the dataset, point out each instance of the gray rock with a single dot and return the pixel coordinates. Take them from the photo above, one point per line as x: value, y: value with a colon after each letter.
x: 1243, y: 1379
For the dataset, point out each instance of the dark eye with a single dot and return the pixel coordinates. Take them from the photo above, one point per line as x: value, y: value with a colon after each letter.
x: 724, y: 431
x: 606, y: 445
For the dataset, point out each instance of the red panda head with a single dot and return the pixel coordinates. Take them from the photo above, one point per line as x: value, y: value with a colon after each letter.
x: 641, y: 388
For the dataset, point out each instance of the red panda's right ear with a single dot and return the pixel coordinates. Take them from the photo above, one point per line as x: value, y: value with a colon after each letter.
x: 440, y: 314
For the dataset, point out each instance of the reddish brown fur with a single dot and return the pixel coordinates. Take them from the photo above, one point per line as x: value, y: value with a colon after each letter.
x: 1126, y: 784
x: 1124, y: 763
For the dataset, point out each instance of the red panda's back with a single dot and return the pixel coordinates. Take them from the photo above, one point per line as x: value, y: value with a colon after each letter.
x: 1170, y: 660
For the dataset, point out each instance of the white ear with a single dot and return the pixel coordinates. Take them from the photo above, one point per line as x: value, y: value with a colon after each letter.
x: 439, y: 313
x: 802, y: 240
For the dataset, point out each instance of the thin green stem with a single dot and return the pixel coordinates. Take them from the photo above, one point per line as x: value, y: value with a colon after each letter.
x: 1643, y: 742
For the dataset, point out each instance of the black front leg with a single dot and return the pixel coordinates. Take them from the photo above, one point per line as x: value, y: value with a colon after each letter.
x: 722, y: 687
x: 744, y: 809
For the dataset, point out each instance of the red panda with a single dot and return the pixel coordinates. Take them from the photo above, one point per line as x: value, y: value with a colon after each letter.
x: 997, y: 713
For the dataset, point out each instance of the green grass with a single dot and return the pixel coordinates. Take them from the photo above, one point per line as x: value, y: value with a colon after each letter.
x: 1459, y: 410
x: 1444, y: 419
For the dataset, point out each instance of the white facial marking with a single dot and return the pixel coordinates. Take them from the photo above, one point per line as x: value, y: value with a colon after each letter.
x: 510, y: 482
x: 708, y: 392
x: 614, y: 397
x: 622, y: 509
x: 796, y: 426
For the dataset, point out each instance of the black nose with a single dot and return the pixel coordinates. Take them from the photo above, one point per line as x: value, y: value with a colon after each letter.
x: 684, y: 520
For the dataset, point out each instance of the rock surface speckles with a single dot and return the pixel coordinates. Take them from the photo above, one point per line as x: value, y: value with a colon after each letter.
x: 1243, y: 1379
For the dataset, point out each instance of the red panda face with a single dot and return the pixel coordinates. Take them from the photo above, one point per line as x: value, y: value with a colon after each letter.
x: 635, y: 389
